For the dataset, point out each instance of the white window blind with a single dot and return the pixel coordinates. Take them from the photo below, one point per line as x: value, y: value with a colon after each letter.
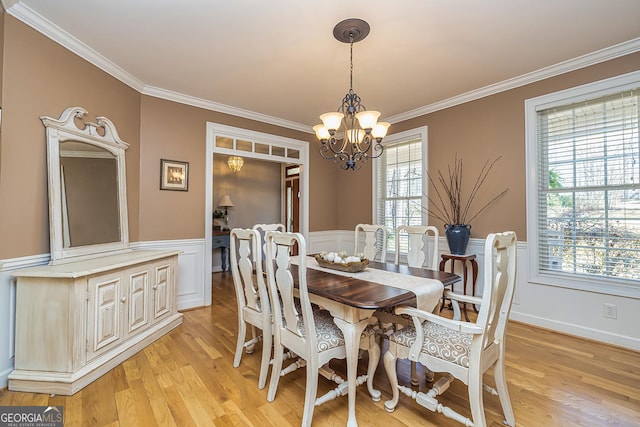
x: 588, y: 169
x: 400, y: 180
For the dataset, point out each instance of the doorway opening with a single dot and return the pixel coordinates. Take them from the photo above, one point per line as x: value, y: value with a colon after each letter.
x: 290, y: 153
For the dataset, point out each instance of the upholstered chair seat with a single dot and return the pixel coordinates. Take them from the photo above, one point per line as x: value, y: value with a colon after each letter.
x: 439, y: 341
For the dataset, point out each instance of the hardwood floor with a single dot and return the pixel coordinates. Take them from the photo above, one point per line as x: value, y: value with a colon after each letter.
x: 187, y: 379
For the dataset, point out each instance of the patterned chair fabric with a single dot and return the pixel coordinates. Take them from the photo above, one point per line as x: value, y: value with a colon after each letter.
x: 462, y: 350
x: 439, y: 341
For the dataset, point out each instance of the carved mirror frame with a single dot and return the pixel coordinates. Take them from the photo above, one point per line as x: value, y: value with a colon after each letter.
x: 104, y: 135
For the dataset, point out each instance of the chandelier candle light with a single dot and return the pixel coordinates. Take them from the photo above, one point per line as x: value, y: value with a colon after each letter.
x: 361, y: 140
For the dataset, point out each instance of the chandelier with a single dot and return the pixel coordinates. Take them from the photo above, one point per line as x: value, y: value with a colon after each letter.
x: 361, y: 133
x: 235, y: 163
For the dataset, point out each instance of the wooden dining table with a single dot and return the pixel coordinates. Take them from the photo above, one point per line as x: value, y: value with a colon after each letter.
x: 353, y: 301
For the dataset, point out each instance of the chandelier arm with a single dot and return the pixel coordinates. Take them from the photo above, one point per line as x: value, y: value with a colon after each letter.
x: 378, y: 149
x: 328, y: 151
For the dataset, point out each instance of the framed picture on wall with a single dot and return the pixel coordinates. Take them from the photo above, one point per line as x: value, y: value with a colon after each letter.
x: 174, y: 175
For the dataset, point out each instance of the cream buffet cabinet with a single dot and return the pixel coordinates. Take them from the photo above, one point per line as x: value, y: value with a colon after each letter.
x: 76, y: 321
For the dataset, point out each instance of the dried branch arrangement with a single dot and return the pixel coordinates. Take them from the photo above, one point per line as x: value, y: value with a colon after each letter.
x: 448, y: 205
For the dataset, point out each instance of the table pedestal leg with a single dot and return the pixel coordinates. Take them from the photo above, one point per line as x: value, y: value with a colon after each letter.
x: 352, y: 333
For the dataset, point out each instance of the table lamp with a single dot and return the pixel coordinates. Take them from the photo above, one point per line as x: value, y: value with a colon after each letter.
x: 226, y: 203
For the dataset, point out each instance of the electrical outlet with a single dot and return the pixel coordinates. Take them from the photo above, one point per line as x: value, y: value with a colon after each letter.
x: 610, y: 311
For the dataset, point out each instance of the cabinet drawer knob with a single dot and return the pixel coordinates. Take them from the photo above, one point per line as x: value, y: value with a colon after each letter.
x: 123, y: 299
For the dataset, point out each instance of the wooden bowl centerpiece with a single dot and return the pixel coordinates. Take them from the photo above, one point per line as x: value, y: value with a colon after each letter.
x: 350, y: 264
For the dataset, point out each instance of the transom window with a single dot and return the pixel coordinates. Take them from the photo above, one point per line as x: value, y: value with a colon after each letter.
x: 585, y: 218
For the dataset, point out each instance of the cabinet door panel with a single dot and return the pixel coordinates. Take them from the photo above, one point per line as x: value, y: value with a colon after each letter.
x: 104, y: 312
x: 138, y: 282
x: 162, y: 290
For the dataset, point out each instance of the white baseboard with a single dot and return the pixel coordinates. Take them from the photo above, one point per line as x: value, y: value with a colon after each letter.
x: 578, y: 331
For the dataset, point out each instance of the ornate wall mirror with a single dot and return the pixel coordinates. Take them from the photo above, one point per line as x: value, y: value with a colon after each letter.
x: 87, y: 187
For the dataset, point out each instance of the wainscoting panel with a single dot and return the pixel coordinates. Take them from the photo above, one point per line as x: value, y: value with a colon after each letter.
x: 191, y: 269
x: 569, y: 311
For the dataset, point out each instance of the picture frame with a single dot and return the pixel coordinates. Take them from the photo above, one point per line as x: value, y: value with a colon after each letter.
x: 174, y: 175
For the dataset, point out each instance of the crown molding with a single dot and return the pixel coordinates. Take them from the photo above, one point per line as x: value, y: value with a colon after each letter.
x: 55, y: 33
x: 222, y: 108
x: 612, y: 52
x: 37, y: 22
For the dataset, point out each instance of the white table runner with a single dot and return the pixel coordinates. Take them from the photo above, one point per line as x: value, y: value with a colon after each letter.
x: 428, y: 291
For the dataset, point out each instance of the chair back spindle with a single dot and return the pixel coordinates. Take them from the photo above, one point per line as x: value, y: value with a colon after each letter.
x: 375, y: 241
x: 417, y: 250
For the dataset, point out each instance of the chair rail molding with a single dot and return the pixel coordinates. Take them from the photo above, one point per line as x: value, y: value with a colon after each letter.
x: 191, y: 280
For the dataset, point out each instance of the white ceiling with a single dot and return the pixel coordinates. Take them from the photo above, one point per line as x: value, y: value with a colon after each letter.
x: 277, y: 61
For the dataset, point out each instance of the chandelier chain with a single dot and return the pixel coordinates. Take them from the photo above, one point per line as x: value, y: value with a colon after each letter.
x: 351, y: 62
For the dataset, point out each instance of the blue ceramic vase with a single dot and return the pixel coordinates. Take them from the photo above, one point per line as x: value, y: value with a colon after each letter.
x: 457, y: 237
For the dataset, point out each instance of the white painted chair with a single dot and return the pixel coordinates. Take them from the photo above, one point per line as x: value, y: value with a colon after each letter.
x: 418, y: 252
x: 254, y: 308
x: 463, y: 350
x: 309, y: 333
x: 371, y: 244
x: 263, y: 229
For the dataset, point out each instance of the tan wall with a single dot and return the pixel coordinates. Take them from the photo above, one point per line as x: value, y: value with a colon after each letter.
x: 2, y: 15
x: 478, y: 131
x: 42, y: 78
x: 178, y: 132
x: 323, y: 186
x: 353, y: 193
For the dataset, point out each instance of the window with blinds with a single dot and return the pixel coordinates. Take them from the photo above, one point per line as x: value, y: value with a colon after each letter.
x: 400, y: 175
x: 588, y: 187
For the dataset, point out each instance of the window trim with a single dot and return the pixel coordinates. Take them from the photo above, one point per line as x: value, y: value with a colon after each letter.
x: 603, y: 285
x: 420, y: 132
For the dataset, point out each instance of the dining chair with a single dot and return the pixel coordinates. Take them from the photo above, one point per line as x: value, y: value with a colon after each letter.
x: 263, y: 229
x: 418, y: 252
x: 310, y: 333
x: 462, y: 350
x: 252, y: 297
x: 372, y: 246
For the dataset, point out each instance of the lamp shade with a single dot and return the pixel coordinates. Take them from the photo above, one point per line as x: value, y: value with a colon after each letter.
x: 332, y: 121
x: 367, y: 119
x: 321, y: 132
x: 226, y: 202
x: 355, y: 136
x: 380, y: 130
